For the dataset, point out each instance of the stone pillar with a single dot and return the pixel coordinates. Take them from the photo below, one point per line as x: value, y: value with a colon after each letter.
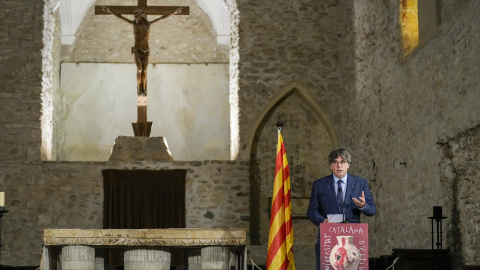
x: 99, y: 263
x: 78, y: 258
x: 146, y: 259
x: 215, y: 258
x: 194, y: 259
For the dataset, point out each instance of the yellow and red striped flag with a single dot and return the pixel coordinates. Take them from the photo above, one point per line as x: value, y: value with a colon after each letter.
x: 280, y: 240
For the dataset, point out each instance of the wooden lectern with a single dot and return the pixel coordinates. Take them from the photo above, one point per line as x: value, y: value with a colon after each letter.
x: 344, y: 246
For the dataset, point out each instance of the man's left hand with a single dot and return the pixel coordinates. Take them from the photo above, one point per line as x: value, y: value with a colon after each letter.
x: 360, y: 202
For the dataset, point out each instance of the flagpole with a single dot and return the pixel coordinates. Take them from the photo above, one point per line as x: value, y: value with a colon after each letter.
x: 280, y: 237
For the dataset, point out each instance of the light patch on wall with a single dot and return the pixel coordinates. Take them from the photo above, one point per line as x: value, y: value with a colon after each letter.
x: 409, y: 25
x: 47, y: 80
x: 234, y: 81
x: 188, y: 105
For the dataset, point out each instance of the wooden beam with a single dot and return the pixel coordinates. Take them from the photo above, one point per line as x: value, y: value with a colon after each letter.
x: 150, y: 10
x: 142, y: 114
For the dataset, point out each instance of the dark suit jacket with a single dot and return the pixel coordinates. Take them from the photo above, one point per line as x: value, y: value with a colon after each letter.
x: 323, y: 199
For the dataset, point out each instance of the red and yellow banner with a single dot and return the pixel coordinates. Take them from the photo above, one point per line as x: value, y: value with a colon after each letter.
x: 280, y: 240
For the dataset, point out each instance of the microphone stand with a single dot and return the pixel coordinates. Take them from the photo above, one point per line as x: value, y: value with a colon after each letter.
x: 343, y: 207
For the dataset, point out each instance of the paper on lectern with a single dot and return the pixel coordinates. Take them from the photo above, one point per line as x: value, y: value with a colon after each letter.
x: 335, y: 218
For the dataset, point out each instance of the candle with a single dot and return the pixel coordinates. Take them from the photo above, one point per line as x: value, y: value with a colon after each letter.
x: 2, y: 199
x: 437, y: 211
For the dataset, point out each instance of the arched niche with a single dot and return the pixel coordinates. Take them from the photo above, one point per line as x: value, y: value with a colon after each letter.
x: 308, y: 138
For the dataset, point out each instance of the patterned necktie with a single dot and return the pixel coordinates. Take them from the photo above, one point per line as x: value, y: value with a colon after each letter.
x: 340, y: 195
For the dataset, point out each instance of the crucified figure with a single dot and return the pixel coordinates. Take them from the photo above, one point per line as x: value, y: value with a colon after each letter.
x: 141, y: 50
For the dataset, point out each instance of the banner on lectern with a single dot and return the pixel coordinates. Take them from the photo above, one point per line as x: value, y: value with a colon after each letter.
x: 344, y: 246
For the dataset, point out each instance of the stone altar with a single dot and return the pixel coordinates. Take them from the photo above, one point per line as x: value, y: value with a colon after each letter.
x: 140, y: 148
x: 217, y: 241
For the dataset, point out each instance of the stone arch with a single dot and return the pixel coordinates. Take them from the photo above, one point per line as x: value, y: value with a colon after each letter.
x: 304, y: 94
x: 117, y: 38
x: 308, y: 137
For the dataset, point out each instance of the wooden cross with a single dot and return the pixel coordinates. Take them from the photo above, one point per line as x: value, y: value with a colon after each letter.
x: 142, y: 128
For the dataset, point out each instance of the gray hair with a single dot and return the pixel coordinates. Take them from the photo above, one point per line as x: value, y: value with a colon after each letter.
x: 339, y: 153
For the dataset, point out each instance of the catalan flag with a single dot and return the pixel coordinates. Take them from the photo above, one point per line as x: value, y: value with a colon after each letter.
x: 280, y: 240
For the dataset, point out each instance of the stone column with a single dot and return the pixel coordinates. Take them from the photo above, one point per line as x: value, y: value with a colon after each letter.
x: 78, y: 258
x: 146, y: 259
x: 99, y: 263
x: 215, y: 258
x: 194, y: 259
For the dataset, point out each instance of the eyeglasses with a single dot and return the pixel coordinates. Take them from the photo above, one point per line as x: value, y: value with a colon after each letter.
x: 343, y: 162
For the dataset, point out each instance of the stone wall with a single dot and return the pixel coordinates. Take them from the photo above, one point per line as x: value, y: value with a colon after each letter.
x: 400, y: 110
x: 56, y: 93
x: 70, y: 195
x: 459, y: 173
x: 21, y: 28
x: 391, y: 114
x: 50, y: 79
x: 280, y: 42
x: 285, y: 45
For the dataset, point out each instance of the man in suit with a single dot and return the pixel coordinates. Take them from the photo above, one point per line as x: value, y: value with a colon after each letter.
x: 339, y: 193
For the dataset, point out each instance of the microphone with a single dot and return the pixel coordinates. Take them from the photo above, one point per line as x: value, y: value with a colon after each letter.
x: 343, y: 207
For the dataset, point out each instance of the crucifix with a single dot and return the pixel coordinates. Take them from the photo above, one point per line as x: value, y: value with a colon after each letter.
x: 141, y: 49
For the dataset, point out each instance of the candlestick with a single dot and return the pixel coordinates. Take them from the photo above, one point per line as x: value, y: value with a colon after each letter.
x: 437, y: 212
x: 437, y: 216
